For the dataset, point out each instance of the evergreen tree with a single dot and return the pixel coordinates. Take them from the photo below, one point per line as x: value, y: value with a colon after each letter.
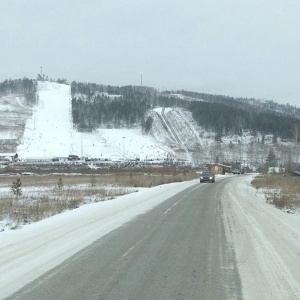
x: 60, y: 184
x: 16, y: 188
x: 271, y: 159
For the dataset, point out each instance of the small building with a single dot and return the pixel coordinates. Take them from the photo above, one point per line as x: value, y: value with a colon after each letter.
x: 60, y: 159
x: 8, y: 156
x: 219, y: 168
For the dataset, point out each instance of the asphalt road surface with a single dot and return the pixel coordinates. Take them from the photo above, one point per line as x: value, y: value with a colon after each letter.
x: 178, y: 250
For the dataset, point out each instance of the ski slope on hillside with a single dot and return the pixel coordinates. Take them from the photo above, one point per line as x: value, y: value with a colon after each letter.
x: 50, y: 133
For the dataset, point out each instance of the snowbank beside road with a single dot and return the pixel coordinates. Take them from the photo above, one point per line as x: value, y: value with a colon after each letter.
x: 27, y: 253
x: 266, y: 242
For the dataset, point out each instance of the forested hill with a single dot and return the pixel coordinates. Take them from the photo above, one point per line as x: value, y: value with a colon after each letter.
x: 24, y: 86
x: 245, y: 103
x: 96, y: 105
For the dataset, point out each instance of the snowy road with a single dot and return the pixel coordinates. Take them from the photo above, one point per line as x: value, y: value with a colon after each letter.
x: 175, y: 251
x: 188, y: 241
x: 28, y: 253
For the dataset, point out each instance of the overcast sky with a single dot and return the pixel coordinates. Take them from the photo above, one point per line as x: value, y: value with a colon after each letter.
x: 241, y: 48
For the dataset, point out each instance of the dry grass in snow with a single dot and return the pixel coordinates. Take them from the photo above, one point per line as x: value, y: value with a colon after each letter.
x: 48, y: 195
x: 282, y: 191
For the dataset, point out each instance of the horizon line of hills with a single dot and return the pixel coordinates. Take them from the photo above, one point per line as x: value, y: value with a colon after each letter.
x: 95, y: 105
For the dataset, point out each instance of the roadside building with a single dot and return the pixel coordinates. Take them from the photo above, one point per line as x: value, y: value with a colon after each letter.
x: 219, y: 168
x: 8, y: 157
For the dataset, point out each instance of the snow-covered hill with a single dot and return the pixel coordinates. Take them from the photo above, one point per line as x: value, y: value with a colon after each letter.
x: 50, y: 133
x: 47, y: 131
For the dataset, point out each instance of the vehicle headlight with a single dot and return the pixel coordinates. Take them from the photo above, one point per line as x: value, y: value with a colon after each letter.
x: 210, y: 177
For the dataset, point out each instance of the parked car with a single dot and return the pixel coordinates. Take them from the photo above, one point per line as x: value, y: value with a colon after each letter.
x: 295, y: 173
x: 207, y: 176
x: 236, y: 171
x: 73, y: 157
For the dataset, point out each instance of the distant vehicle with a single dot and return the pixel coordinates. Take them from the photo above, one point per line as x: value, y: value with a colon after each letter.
x: 236, y: 171
x: 73, y: 157
x: 207, y: 176
x: 295, y: 173
x: 93, y: 167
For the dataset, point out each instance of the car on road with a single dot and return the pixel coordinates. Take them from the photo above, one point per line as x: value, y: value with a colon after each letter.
x: 295, y: 173
x: 236, y: 171
x: 207, y: 176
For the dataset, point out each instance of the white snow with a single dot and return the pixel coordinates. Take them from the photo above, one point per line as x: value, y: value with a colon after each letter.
x: 266, y: 241
x: 183, y: 97
x: 128, y: 143
x: 50, y: 131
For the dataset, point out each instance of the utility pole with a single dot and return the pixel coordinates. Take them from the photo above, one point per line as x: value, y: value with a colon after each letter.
x: 141, y: 79
x: 81, y: 147
x: 124, y: 146
x: 42, y: 75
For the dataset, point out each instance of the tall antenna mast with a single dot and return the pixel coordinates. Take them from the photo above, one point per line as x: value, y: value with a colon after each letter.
x: 81, y: 147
